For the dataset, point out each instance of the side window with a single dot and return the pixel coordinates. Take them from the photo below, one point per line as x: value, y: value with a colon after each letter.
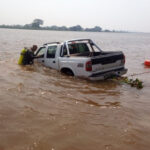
x: 73, y: 48
x: 40, y: 52
x: 51, y: 51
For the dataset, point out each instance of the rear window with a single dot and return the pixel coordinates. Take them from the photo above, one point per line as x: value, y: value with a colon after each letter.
x: 75, y: 48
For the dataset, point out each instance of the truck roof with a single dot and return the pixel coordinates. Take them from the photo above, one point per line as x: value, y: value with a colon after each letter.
x: 68, y: 41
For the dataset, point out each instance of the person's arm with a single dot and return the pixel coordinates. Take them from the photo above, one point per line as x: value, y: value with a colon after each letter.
x: 40, y: 56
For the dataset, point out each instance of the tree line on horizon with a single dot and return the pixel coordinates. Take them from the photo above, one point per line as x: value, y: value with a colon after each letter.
x: 36, y: 25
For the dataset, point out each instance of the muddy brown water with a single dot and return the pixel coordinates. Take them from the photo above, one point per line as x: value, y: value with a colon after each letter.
x: 41, y: 109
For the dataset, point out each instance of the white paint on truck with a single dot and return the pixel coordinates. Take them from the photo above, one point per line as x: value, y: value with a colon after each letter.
x: 83, y: 58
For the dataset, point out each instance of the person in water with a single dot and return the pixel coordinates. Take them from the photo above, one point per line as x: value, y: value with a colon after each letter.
x: 27, y: 56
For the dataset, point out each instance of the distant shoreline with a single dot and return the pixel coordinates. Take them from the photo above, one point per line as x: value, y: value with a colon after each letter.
x: 55, y: 28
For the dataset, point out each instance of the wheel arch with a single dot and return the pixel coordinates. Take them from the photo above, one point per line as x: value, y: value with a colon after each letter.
x: 67, y: 71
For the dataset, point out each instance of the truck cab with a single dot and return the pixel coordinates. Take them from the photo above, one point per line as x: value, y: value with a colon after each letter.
x: 47, y: 55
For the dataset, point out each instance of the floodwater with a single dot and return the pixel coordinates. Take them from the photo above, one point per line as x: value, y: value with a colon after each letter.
x: 41, y: 109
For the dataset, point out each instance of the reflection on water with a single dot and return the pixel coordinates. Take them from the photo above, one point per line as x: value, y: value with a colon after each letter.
x: 41, y: 109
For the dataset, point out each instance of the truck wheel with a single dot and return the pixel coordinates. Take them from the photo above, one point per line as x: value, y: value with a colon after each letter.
x: 67, y: 72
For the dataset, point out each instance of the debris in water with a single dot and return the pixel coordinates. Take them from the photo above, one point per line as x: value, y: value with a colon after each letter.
x: 134, y: 83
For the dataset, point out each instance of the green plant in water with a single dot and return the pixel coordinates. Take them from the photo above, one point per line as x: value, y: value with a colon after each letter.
x: 134, y: 83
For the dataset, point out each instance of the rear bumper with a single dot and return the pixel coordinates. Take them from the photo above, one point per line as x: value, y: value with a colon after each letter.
x: 108, y: 74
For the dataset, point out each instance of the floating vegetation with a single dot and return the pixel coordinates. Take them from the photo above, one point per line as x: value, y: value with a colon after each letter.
x: 134, y: 83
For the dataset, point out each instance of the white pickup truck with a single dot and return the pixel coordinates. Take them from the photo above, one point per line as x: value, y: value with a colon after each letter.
x: 82, y: 58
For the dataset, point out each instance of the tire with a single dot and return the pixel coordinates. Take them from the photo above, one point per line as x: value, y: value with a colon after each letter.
x: 67, y: 71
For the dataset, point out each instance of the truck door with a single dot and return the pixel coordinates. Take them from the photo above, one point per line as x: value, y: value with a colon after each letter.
x: 40, y: 54
x: 50, y: 60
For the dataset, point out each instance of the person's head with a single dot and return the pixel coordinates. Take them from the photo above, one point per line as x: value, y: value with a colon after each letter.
x: 34, y: 48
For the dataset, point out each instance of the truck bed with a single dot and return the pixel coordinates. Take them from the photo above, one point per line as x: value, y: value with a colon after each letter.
x: 102, y: 57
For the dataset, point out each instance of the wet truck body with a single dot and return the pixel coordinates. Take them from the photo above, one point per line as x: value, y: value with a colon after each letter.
x: 82, y: 58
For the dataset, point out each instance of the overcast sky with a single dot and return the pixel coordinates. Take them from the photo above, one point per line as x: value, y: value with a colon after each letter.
x: 131, y: 15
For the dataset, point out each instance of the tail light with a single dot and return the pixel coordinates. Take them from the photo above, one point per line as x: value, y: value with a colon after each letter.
x: 124, y: 59
x: 88, y: 66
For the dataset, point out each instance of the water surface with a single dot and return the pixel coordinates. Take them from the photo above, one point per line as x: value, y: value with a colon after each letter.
x: 41, y: 109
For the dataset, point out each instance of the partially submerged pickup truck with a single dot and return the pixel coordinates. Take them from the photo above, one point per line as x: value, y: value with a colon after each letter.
x: 82, y: 58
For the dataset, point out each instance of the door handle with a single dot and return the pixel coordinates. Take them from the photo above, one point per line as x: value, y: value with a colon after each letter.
x: 42, y: 60
x: 54, y: 61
